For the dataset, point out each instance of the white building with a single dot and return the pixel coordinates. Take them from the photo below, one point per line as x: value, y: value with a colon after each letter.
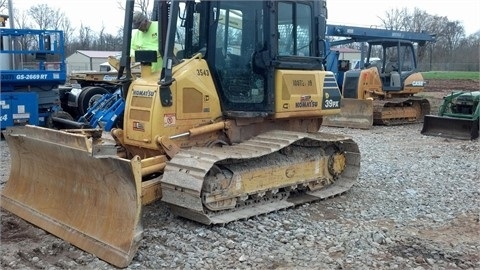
x: 84, y: 60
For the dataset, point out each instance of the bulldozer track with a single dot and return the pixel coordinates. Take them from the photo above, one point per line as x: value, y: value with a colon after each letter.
x: 187, y: 174
x: 384, y: 111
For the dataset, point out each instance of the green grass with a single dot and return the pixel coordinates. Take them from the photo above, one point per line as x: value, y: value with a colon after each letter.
x: 451, y: 75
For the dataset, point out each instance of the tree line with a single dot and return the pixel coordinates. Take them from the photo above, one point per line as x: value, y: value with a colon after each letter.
x: 453, y: 49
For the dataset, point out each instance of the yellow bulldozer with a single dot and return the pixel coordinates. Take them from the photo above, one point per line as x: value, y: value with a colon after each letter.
x: 383, y: 91
x: 228, y: 129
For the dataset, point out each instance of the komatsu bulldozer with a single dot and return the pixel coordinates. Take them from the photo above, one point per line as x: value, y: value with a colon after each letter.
x: 384, y: 91
x: 229, y: 129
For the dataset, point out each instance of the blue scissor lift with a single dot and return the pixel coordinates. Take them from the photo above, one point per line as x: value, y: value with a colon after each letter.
x: 32, y: 66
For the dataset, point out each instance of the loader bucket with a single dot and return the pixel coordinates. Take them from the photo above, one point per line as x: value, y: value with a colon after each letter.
x: 449, y: 127
x: 354, y: 113
x: 58, y: 185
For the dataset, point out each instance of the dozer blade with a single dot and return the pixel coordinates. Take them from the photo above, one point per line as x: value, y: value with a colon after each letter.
x: 354, y: 113
x: 58, y: 185
x: 449, y: 127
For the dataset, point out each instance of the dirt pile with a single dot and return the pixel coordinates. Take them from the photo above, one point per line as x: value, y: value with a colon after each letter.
x: 452, y: 85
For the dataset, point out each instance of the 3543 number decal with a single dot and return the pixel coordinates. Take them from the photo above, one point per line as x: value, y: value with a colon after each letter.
x: 203, y: 72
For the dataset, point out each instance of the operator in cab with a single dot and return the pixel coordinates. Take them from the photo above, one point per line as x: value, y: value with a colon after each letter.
x: 145, y: 37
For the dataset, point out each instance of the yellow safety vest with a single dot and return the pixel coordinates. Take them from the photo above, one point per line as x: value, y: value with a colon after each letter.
x: 147, y: 41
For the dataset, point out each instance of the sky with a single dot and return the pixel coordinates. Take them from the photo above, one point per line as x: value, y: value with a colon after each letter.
x: 366, y: 13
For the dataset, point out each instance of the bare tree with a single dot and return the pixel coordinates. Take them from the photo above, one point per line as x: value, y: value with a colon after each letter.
x: 113, y: 43
x: 395, y: 19
x: 46, y: 17
x: 107, y: 42
x: 86, y: 37
x: 22, y: 19
x: 419, y: 22
x: 3, y: 7
x: 141, y: 5
x: 452, y: 49
x: 468, y: 52
x: 455, y: 32
x: 68, y: 34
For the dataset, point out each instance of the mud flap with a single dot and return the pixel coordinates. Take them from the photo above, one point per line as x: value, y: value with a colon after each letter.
x: 58, y: 185
x: 354, y: 113
x: 449, y: 127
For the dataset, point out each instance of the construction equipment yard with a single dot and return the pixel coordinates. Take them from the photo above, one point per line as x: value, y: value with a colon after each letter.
x: 251, y: 167
x: 416, y: 205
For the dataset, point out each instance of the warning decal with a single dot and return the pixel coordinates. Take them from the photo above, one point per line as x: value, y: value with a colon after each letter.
x: 169, y: 119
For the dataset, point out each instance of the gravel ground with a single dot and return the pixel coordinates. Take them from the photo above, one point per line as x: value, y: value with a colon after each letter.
x: 416, y: 205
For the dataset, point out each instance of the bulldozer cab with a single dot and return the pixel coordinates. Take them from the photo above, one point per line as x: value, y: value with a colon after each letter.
x: 397, y: 62
x: 253, y: 59
x: 235, y: 39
